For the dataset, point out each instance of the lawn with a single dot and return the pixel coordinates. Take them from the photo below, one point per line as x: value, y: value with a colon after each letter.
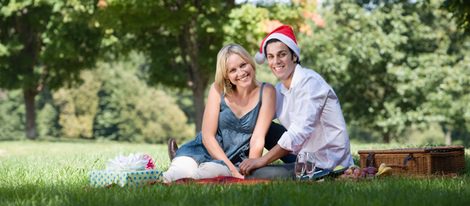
x: 56, y: 173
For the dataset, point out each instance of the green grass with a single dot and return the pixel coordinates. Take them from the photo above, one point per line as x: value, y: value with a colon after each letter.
x: 46, y: 173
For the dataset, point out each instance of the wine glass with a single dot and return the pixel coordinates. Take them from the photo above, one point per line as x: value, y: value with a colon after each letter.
x: 300, y: 165
x: 310, y: 161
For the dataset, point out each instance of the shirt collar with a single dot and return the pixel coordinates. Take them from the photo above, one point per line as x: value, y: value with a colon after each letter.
x: 296, y: 77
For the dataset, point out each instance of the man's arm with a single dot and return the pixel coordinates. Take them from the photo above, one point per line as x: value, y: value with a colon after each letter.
x: 310, y: 97
x: 275, y: 153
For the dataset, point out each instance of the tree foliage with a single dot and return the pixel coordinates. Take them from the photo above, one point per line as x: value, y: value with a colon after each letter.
x: 45, y: 44
x: 112, y: 102
x: 11, y: 116
x: 78, y: 106
x: 389, y: 64
x: 129, y: 110
x: 395, y: 65
x: 460, y: 11
x: 180, y: 38
x: 248, y: 24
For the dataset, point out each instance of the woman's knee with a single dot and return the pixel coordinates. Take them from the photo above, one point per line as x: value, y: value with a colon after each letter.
x: 211, y: 169
x: 180, y: 167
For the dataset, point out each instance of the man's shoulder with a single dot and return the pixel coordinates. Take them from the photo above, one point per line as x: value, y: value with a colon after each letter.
x: 311, y: 77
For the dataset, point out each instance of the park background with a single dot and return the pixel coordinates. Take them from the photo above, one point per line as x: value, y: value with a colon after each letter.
x: 138, y: 71
x: 82, y: 81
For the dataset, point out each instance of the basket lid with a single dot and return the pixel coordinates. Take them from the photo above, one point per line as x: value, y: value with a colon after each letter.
x: 415, y: 150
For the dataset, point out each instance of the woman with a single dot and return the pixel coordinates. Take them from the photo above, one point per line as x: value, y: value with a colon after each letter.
x: 236, y: 118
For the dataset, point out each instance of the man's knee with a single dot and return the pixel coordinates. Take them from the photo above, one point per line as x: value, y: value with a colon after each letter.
x: 273, y: 135
x: 282, y: 171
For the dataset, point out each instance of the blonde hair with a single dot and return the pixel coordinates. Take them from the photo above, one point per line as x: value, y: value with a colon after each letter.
x: 221, y: 74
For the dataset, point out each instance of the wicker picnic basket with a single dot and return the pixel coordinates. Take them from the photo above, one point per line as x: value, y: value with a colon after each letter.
x: 417, y: 161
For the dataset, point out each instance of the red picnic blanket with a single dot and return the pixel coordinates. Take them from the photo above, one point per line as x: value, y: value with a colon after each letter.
x: 221, y: 180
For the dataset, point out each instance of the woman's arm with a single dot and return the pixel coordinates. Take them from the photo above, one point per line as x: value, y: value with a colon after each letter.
x: 265, y: 117
x: 209, y: 129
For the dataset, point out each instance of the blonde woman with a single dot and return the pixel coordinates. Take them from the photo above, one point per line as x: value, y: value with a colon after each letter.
x: 236, y: 118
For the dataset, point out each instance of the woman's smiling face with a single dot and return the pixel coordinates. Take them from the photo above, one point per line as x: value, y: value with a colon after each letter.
x: 239, y: 72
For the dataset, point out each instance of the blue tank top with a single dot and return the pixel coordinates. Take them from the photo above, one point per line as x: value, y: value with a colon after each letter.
x: 233, y: 135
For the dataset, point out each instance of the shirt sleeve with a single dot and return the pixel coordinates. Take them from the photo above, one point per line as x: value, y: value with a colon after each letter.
x: 310, y: 98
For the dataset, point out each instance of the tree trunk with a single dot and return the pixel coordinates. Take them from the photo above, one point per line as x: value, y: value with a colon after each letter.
x: 198, y: 100
x: 190, y: 47
x: 29, y: 95
x: 448, y: 137
x: 27, y: 59
x: 198, y: 82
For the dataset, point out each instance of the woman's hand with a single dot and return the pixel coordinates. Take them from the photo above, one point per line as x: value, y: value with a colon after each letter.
x: 237, y: 174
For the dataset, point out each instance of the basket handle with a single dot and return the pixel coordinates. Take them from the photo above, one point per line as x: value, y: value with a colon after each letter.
x: 405, y: 162
x: 370, y: 161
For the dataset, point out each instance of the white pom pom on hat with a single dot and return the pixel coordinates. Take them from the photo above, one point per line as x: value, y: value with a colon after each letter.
x: 283, y: 33
x: 259, y: 58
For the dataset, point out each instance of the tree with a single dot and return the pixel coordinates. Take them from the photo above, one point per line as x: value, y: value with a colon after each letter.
x: 460, y: 11
x: 447, y: 103
x: 384, y: 62
x: 180, y: 38
x: 129, y: 110
x: 78, y: 106
x: 10, y: 116
x: 45, y: 43
x: 250, y: 23
x: 113, y: 102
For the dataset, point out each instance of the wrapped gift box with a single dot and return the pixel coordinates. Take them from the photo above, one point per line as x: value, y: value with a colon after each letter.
x: 105, y: 178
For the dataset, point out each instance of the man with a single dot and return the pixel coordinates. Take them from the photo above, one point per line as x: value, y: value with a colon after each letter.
x: 305, y: 105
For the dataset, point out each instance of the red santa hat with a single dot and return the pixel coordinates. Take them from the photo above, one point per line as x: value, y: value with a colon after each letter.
x: 285, y: 34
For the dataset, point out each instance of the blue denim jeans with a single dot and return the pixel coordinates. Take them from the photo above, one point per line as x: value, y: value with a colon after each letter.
x: 272, y: 137
x: 276, y: 172
x: 286, y: 172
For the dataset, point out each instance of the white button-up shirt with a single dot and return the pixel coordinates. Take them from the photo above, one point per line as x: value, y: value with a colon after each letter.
x: 311, y: 113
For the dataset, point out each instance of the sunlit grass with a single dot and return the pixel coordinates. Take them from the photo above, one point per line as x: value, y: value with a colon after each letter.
x: 47, y: 173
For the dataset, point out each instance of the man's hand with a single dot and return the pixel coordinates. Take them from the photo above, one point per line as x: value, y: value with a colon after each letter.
x: 248, y: 165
